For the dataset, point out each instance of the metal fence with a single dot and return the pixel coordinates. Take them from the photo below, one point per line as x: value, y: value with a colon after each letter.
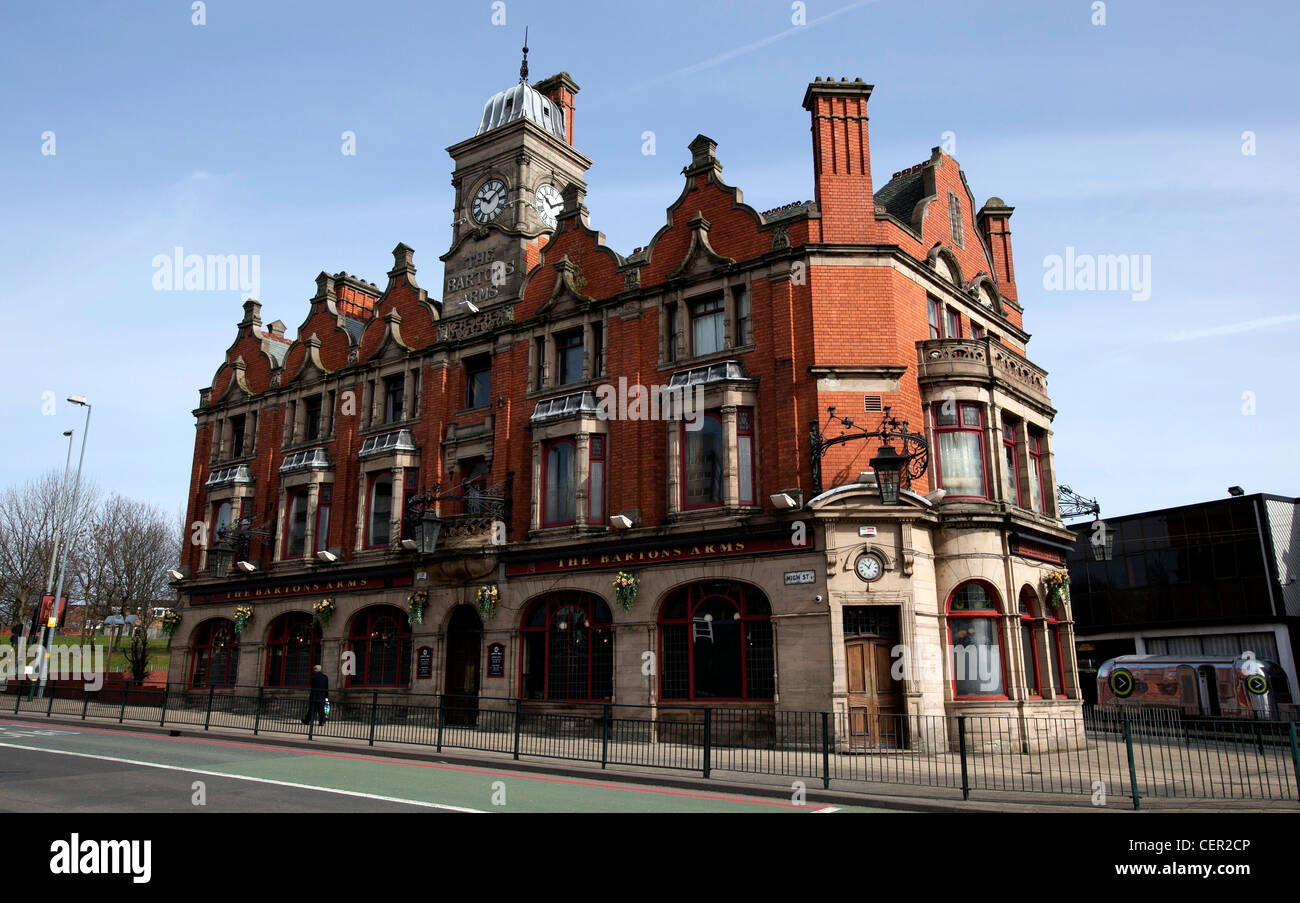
x: 1095, y: 754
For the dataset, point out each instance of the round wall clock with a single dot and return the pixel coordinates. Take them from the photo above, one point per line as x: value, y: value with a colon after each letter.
x: 489, y: 201
x: 869, y: 568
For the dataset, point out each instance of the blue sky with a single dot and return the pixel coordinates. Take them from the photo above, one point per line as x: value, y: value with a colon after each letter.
x: 1123, y: 138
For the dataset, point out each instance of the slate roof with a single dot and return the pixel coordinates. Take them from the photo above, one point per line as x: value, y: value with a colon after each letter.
x: 901, y: 194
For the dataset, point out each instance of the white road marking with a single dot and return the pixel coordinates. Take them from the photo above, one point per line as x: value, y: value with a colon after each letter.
x: 240, y: 777
x: 826, y: 809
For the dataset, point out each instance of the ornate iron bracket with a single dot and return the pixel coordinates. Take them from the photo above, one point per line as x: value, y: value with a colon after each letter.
x: 1074, y: 505
x: 914, y: 450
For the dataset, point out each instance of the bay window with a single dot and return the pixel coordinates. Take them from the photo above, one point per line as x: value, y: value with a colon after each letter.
x: 1028, y: 644
x: 295, y: 527
x: 703, y: 454
x: 1010, y: 462
x: 959, y: 435
x: 596, y: 481
x: 323, y: 500
x: 379, y: 510
x: 974, y: 643
x: 1034, y: 444
x: 559, y: 490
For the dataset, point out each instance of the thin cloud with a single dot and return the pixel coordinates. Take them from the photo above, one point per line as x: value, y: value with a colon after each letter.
x: 1213, y: 332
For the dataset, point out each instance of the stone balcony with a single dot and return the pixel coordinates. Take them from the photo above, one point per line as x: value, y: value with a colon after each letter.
x: 980, y: 360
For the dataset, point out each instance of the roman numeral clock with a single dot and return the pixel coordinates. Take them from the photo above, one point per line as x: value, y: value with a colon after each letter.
x: 510, y: 180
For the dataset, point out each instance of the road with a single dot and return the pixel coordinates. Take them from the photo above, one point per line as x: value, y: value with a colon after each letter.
x: 86, y: 769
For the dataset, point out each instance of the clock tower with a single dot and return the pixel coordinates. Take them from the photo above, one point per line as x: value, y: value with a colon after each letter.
x: 509, y: 180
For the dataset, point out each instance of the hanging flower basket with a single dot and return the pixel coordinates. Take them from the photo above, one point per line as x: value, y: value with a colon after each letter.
x: 487, y: 601
x: 1058, y: 590
x: 243, y: 614
x: 322, y: 611
x: 625, y: 587
x: 170, y: 621
x: 415, y: 604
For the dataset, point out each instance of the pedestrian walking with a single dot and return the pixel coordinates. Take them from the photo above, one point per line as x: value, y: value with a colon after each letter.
x: 320, y: 685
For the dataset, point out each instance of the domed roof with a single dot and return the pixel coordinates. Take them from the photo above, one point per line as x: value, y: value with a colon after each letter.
x: 522, y: 102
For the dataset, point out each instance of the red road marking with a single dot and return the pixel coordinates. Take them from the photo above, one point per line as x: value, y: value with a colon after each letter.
x: 440, y: 767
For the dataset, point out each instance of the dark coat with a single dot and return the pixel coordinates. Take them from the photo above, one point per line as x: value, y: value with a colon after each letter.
x: 320, y: 685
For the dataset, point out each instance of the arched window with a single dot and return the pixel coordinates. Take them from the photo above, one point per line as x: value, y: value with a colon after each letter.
x: 215, y: 654
x: 292, y: 648
x: 974, y: 644
x: 381, y: 641
x: 1028, y: 646
x: 568, y: 648
x: 715, y: 642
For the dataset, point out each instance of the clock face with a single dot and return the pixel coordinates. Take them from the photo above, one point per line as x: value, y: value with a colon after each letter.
x: 868, y: 567
x: 549, y: 203
x: 489, y: 201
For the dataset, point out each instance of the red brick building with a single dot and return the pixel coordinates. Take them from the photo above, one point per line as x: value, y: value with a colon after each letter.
x: 487, y: 409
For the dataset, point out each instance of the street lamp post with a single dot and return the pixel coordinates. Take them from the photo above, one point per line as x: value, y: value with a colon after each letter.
x: 47, y: 633
x: 59, y: 514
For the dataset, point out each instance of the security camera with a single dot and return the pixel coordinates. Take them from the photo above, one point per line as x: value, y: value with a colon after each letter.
x: 175, y: 574
x: 408, y: 545
x: 327, y: 557
x: 245, y: 566
x: 469, y: 304
x: 817, y: 599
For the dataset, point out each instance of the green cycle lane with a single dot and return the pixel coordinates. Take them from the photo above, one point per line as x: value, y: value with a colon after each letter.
x: 432, y: 785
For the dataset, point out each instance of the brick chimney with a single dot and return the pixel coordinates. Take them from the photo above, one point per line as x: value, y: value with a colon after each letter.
x: 841, y: 157
x: 560, y: 90
x: 994, y: 223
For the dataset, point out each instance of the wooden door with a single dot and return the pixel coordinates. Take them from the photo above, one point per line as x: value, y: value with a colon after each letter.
x: 875, y: 698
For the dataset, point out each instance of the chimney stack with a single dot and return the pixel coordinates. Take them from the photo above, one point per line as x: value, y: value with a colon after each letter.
x: 841, y: 157
x: 560, y: 90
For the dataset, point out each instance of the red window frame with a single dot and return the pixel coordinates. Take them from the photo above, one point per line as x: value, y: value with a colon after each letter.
x: 363, y: 630
x: 369, y: 505
x: 292, y: 495
x: 1034, y: 446
x: 709, y: 415
x: 961, y: 427
x: 546, y: 479
x: 960, y: 615
x: 565, y: 342
x: 597, y: 452
x: 976, y: 330
x: 951, y: 323
x: 935, y: 316
x: 745, y: 430
x: 1027, y: 622
x: 410, y: 489
x: 324, y: 501
x: 599, y: 626
x: 205, y: 637
x: 1009, y: 445
x: 280, y: 634
x: 745, y: 598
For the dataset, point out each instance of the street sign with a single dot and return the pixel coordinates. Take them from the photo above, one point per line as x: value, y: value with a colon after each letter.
x: 797, y: 578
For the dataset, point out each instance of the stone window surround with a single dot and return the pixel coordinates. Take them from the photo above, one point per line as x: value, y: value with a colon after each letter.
x: 397, y: 463
x: 312, y: 480
x: 373, y: 393
x: 240, y: 496
x: 724, y: 400
x: 583, y: 320
x: 683, y: 297
x: 580, y: 428
x: 222, y: 432
x: 1012, y: 657
x: 295, y: 414
x: 993, y: 412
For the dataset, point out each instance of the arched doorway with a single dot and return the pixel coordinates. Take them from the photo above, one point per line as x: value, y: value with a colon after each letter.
x: 462, y: 678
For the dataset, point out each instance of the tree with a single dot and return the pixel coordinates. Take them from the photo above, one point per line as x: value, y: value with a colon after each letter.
x: 130, y: 546
x: 137, y: 654
x: 29, y: 519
